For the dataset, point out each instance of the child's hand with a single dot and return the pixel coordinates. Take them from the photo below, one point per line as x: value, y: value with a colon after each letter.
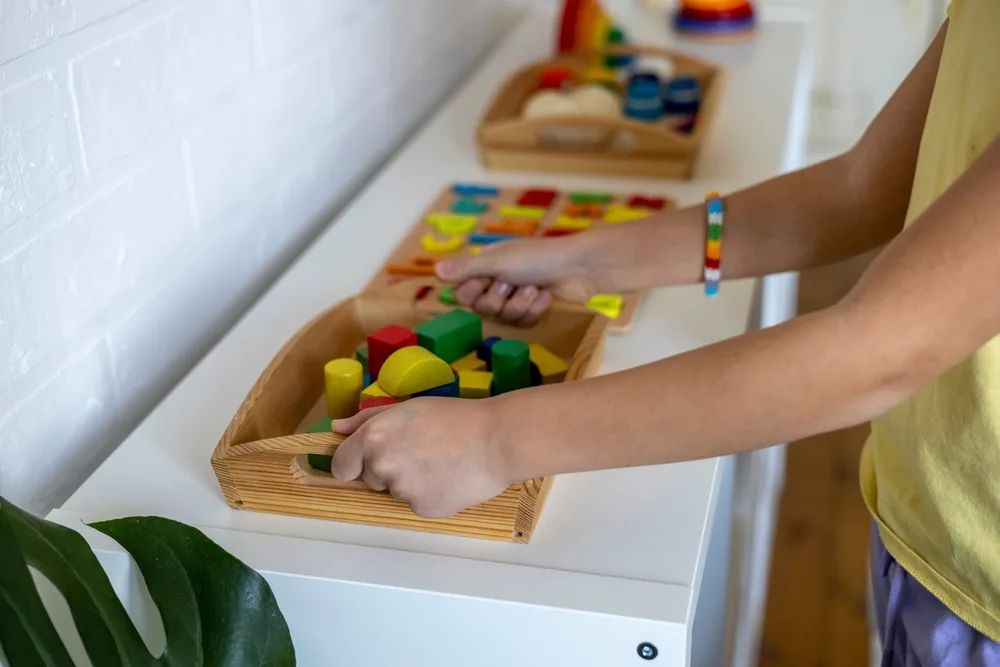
x: 437, y: 454
x: 514, y: 281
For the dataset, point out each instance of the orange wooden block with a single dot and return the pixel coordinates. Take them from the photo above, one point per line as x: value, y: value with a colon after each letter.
x: 583, y: 210
x: 416, y: 266
x: 515, y: 227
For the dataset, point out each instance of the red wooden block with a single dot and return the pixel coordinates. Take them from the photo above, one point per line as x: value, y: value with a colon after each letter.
x: 376, y: 402
x: 559, y: 232
x: 542, y: 198
x: 384, y: 342
x: 652, y: 203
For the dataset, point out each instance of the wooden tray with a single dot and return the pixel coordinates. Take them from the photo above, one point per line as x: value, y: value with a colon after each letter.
x: 625, y: 148
x: 260, y: 460
x: 410, y: 247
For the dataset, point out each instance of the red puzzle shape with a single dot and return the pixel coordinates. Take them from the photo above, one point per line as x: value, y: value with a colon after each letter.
x: 652, y: 203
x: 541, y: 198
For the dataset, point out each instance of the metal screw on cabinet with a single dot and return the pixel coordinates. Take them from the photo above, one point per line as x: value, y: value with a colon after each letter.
x: 647, y: 651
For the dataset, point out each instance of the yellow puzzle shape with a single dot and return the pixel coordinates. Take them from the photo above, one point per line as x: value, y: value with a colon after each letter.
x: 552, y: 368
x: 474, y: 384
x: 526, y: 212
x: 609, y: 305
x: 432, y: 244
x: 619, y: 213
x: 413, y: 369
x: 452, y: 224
x: 567, y: 222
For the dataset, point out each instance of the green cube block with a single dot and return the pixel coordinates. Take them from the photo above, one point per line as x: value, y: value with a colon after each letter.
x: 511, y: 366
x: 362, y: 356
x: 321, y: 461
x: 451, y: 336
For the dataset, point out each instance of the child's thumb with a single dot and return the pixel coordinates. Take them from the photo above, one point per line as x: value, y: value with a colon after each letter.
x: 464, y: 268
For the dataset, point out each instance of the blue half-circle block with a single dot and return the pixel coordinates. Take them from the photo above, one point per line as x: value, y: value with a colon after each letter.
x: 486, y: 239
x: 685, y: 24
x: 445, y: 391
x: 472, y: 190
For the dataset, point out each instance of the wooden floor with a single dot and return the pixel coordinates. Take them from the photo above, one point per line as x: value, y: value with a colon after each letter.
x: 816, y: 599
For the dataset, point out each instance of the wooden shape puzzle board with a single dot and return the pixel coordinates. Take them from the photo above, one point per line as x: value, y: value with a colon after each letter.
x: 464, y: 215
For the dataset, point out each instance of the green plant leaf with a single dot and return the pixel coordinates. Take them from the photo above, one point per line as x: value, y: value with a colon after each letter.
x: 216, y: 611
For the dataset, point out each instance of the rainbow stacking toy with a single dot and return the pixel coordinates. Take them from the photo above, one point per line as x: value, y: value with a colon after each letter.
x: 729, y: 20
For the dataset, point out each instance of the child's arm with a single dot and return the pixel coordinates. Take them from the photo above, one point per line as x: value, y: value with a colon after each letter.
x: 929, y: 301
x: 821, y: 214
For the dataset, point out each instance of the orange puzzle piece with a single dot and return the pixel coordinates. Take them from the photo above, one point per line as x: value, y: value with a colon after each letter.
x: 416, y: 266
x: 583, y: 210
x: 514, y: 227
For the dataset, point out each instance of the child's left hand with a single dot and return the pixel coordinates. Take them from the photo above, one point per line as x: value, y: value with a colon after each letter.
x: 437, y: 454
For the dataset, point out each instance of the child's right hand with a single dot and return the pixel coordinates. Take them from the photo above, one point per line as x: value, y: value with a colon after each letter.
x: 514, y: 281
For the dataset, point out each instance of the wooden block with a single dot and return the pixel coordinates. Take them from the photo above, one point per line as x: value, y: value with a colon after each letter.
x: 384, y: 342
x: 554, y: 231
x: 512, y: 227
x: 583, y: 210
x: 451, y: 224
x: 413, y: 369
x: 469, y: 206
x: 475, y: 250
x: 527, y: 212
x: 511, y: 366
x: 536, y: 375
x: 416, y: 266
x: 473, y: 190
x: 447, y: 296
x: 589, y: 198
x: 321, y: 461
x: 474, y: 384
x: 470, y: 362
x: 619, y: 213
x: 451, y: 336
x: 652, y: 203
x: 362, y: 355
x: 537, y: 197
x: 373, y: 391
x: 552, y: 368
x: 344, y: 382
x: 444, y: 391
x: 431, y: 243
x: 485, y: 351
x: 376, y: 402
x: 609, y: 305
x: 566, y: 222
x: 486, y: 239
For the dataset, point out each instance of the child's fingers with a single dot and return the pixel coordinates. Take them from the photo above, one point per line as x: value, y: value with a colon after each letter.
x: 517, y: 306
x: 537, y: 308
x: 493, y: 301
x: 351, y: 424
x: 470, y: 290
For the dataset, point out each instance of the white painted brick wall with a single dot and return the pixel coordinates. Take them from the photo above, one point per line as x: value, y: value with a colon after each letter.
x: 160, y: 162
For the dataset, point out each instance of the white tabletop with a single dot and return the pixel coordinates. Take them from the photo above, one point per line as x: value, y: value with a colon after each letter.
x: 628, y: 542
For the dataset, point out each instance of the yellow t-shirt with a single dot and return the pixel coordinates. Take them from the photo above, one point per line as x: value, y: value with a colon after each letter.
x: 930, y: 472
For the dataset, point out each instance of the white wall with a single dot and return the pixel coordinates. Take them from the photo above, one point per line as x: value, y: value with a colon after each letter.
x: 160, y: 162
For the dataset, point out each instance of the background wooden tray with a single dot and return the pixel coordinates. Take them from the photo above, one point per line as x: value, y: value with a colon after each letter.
x: 410, y: 247
x: 259, y: 461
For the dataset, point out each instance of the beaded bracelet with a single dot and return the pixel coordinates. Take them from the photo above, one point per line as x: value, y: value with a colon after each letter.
x: 713, y: 243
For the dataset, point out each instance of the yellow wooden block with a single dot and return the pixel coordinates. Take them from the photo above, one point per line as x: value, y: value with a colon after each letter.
x: 475, y: 250
x: 552, y: 368
x: 526, y: 212
x: 619, y: 213
x: 474, y: 384
x: 432, y: 244
x: 470, y: 363
x: 344, y: 382
x: 609, y: 305
x: 452, y: 224
x: 413, y: 369
x: 566, y: 222
x: 373, y: 390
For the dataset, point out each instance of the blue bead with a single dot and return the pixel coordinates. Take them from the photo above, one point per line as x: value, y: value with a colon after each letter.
x: 714, y: 205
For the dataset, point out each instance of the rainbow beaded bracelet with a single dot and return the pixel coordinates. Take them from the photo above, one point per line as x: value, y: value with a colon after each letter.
x: 713, y: 243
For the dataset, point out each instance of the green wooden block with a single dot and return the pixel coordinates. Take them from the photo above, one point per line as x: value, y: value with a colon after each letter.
x: 448, y: 296
x: 362, y: 356
x: 589, y: 198
x: 451, y: 336
x: 511, y: 366
x: 321, y: 461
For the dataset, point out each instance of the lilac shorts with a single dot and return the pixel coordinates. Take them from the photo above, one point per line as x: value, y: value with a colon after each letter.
x: 917, y: 630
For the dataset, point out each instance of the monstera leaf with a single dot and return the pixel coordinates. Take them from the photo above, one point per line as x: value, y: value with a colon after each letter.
x: 215, y: 610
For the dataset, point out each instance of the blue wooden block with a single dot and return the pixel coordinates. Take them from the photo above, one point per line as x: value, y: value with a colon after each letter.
x: 486, y: 239
x: 467, y: 206
x: 472, y: 190
x: 485, y: 351
x: 536, y: 375
x: 445, y: 391
x: 366, y: 380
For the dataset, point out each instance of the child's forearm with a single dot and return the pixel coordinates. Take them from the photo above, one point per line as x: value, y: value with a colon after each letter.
x: 745, y: 393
